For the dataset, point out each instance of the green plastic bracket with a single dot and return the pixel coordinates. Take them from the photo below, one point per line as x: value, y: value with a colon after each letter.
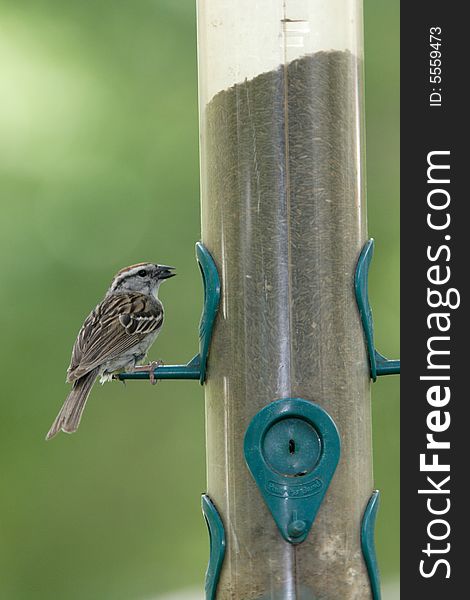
x: 368, y: 544
x: 210, y: 277
x: 292, y: 448
x: 379, y: 365
x: 217, y: 546
x: 196, y: 367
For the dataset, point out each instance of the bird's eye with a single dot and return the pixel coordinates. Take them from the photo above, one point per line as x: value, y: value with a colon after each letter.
x: 142, y: 273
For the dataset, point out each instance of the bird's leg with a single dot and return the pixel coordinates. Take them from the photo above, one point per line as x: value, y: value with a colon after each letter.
x: 150, y: 369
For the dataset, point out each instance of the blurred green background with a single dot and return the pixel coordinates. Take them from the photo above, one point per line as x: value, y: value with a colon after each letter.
x: 99, y: 169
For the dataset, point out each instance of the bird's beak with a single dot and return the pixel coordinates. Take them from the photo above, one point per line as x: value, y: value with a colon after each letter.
x: 165, y: 272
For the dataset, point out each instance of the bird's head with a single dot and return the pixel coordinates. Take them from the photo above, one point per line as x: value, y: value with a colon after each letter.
x: 142, y: 277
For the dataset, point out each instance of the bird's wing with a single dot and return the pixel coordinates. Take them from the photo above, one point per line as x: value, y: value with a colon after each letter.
x: 117, y: 324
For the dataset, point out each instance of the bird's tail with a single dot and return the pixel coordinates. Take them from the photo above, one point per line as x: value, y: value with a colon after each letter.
x: 70, y: 414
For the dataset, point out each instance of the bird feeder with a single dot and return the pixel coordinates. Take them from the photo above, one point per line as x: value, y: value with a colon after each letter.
x: 287, y: 348
x: 288, y: 414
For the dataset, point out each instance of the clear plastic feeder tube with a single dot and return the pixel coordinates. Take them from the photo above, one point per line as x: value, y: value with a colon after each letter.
x: 283, y: 214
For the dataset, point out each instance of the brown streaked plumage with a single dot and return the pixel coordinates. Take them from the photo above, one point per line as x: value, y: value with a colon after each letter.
x: 114, y: 337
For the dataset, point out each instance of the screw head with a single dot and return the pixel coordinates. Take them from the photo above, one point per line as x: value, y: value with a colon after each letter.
x: 296, y: 528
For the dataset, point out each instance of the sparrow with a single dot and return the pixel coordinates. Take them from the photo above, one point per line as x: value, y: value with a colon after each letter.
x: 115, y: 336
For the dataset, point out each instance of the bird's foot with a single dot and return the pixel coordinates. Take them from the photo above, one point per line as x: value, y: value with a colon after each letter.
x: 105, y: 377
x: 150, y: 369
